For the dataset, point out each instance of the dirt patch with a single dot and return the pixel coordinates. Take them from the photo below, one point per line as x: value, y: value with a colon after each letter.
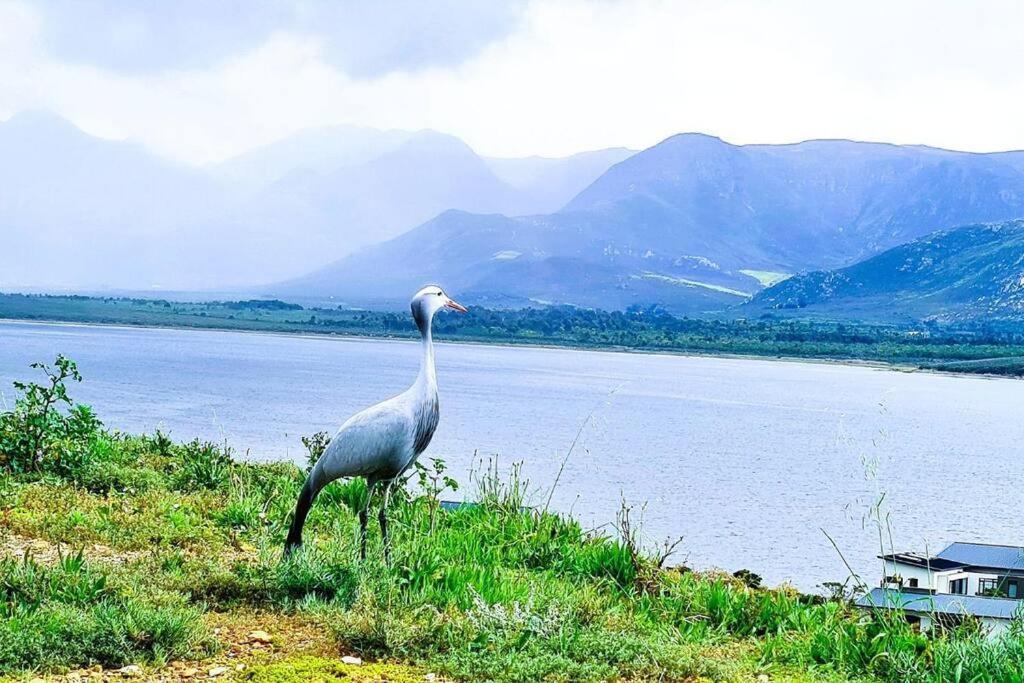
x: 248, y: 639
x: 47, y: 553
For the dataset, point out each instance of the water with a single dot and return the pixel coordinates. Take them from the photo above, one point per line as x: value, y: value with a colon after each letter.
x: 750, y: 461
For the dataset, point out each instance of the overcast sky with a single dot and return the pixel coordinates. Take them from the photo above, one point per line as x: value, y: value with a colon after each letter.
x: 201, y: 80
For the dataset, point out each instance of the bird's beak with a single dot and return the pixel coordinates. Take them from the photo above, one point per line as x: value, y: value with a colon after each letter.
x: 454, y: 305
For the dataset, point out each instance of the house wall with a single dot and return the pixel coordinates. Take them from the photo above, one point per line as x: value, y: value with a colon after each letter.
x: 992, y: 627
x: 925, y: 579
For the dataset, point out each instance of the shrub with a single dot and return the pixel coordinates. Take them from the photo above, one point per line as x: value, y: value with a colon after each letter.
x: 202, y: 465
x: 46, y: 430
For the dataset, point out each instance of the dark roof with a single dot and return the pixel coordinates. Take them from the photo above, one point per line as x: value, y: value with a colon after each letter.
x: 942, y: 603
x: 1007, y: 557
x: 938, y: 564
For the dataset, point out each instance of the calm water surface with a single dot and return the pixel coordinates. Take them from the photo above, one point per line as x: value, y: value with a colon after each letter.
x: 750, y: 461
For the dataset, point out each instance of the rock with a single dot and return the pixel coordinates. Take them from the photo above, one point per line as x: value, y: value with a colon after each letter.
x: 763, y: 678
x: 239, y: 667
x: 349, y: 659
x: 430, y: 677
x: 130, y: 670
x: 259, y: 637
x: 189, y: 672
x: 218, y: 671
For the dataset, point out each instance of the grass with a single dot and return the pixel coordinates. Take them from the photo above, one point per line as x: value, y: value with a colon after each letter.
x: 167, y: 556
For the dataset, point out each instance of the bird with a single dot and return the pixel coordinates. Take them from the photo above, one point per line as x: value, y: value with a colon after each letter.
x: 384, y: 440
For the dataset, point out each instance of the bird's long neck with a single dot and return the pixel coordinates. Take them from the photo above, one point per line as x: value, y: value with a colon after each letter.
x: 428, y: 376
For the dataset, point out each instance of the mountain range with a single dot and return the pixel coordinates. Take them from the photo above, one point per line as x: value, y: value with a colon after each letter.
x: 694, y: 223
x: 78, y: 211
x: 364, y: 217
x: 971, y: 272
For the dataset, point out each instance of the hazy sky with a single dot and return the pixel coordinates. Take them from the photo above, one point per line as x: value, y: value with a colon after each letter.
x: 201, y: 80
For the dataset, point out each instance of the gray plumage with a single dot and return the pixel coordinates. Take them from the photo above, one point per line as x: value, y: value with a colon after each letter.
x: 383, y: 441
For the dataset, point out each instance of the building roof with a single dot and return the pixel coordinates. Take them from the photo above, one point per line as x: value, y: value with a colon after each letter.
x: 942, y: 603
x: 938, y: 564
x: 1007, y: 557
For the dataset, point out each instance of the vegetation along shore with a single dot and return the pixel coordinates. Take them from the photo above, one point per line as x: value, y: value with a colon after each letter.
x: 131, y: 555
x: 996, y: 347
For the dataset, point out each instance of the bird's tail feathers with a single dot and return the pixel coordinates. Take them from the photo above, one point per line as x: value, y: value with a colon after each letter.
x: 306, y: 497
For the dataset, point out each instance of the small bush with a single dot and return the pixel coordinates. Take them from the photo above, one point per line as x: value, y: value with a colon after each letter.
x: 202, y: 465
x: 46, y: 431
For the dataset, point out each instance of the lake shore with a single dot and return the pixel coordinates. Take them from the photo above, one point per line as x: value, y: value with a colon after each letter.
x: 685, y: 353
x: 909, y: 345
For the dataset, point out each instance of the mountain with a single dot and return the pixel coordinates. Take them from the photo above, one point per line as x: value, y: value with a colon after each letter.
x: 396, y: 181
x: 551, y: 182
x: 694, y: 223
x: 352, y: 206
x: 975, y: 271
x: 75, y: 208
x: 77, y: 211
x: 319, y: 149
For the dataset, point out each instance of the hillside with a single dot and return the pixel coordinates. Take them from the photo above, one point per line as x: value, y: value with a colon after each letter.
x: 972, y: 272
x: 694, y: 223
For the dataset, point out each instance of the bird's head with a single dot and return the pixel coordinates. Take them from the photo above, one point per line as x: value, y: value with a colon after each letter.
x: 428, y: 301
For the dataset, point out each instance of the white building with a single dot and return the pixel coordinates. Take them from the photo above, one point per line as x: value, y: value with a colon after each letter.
x: 966, y: 579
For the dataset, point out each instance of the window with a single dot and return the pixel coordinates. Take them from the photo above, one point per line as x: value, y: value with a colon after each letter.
x: 912, y: 583
x: 958, y: 587
x: 989, y: 587
x: 1013, y: 589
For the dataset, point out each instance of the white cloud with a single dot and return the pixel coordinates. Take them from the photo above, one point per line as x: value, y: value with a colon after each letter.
x: 575, y: 75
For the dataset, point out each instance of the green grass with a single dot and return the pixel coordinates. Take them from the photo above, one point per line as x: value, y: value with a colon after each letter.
x: 69, y: 614
x: 162, y: 537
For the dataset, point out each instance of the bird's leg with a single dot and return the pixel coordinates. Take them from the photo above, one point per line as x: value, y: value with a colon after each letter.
x: 384, y: 521
x: 363, y: 514
x: 362, y: 534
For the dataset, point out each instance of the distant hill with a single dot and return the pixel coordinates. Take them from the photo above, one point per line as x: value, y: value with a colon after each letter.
x: 355, y: 205
x: 400, y: 181
x: 694, y: 223
x: 966, y: 273
x: 321, y: 150
x: 77, y: 211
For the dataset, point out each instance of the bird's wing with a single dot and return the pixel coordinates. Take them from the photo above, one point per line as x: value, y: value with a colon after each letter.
x: 372, y: 442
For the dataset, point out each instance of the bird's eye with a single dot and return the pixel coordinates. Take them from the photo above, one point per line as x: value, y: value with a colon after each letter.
x: 440, y: 293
